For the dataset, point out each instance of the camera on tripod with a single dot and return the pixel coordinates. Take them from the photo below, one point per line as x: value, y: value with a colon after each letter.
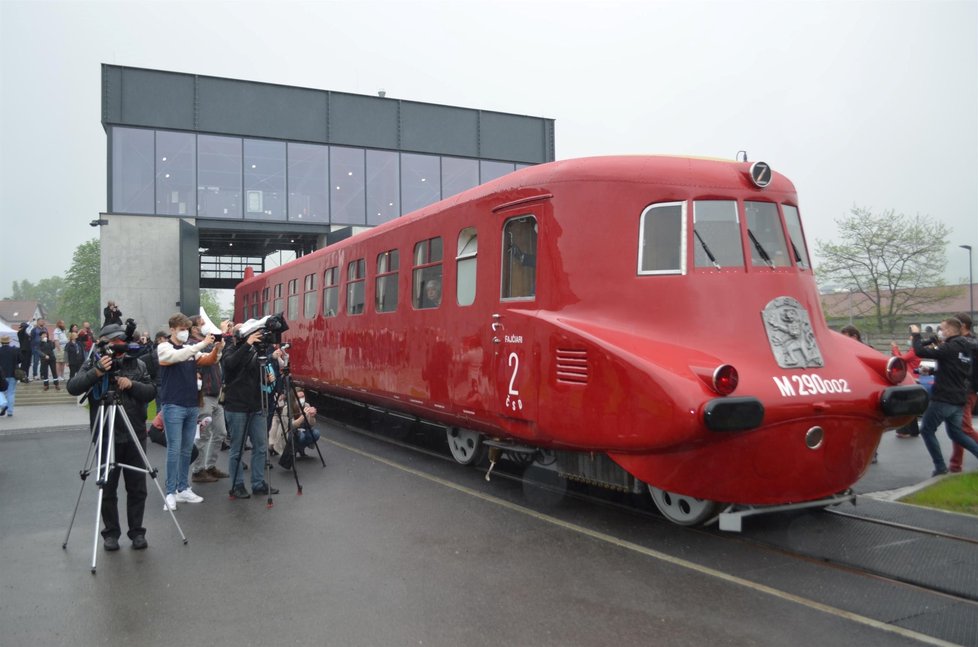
x: 271, y: 328
x: 117, y: 344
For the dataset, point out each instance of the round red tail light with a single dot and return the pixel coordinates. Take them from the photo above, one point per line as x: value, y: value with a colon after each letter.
x: 725, y: 379
x: 896, y: 370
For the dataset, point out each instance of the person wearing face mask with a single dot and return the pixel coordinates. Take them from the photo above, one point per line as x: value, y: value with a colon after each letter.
x: 955, y: 355
x: 135, y: 390
x: 179, y: 404
x: 46, y: 349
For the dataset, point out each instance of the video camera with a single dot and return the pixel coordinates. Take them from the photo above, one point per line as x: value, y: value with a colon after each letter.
x: 271, y: 328
x: 118, y: 345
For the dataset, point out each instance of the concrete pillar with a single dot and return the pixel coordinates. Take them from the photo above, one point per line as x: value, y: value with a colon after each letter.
x: 150, y: 268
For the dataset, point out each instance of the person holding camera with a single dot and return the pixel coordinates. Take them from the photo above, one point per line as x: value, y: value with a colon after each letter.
x: 204, y: 468
x: 178, y: 398
x: 115, y: 369
x: 245, y: 373
x: 955, y: 355
x: 967, y: 415
x: 112, y: 314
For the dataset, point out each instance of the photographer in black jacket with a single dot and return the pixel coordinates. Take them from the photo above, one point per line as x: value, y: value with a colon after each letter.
x: 114, y: 369
x: 244, y: 375
x: 954, y: 354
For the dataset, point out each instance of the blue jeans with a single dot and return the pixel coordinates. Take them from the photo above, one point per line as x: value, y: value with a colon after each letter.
x: 11, y: 394
x: 255, y: 422
x: 179, y: 425
x: 950, y: 414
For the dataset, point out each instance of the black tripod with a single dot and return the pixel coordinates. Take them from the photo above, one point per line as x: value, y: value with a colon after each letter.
x: 101, y: 453
x: 265, y: 370
x: 292, y: 395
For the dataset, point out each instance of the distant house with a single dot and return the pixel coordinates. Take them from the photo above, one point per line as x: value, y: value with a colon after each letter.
x: 842, y: 308
x: 13, y: 312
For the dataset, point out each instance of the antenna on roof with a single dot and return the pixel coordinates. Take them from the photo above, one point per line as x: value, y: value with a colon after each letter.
x: 741, y: 153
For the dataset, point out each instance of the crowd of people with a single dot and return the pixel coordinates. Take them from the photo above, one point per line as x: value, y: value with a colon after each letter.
x: 213, y: 392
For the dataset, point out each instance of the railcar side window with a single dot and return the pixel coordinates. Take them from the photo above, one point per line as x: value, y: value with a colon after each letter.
x: 519, y: 279
x: 385, y: 297
x: 468, y: 247
x: 293, y: 312
x: 309, y: 298
x: 264, y: 304
x: 426, y: 279
x: 277, y: 304
x: 798, y: 249
x: 331, y: 292
x: 661, y: 239
x: 244, y: 306
x: 356, y: 274
x: 716, y: 231
x: 765, y: 237
x: 255, y: 304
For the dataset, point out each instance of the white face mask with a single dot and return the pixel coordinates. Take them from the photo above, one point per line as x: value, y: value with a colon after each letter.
x: 200, y: 384
x: 183, y: 336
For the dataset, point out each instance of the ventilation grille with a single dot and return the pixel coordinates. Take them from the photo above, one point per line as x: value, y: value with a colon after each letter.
x: 572, y: 366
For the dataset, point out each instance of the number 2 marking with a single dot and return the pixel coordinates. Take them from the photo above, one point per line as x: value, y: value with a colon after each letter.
x: 514, y: 361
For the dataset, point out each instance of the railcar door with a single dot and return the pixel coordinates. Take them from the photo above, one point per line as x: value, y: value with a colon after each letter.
x: 516, y: 365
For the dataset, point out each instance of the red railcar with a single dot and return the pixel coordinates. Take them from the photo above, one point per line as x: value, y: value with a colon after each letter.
x: 659, y: 312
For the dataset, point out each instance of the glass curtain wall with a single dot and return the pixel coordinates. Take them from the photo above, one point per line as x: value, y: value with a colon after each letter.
x: 132, y: 170
x: 264, y: 179
x: 176, y: 173
x: 215, y: 176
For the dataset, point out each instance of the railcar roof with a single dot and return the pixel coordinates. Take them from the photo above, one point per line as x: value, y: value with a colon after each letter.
x: 710, y: 173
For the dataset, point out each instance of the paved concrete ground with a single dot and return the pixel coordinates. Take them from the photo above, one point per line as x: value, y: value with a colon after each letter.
x: 374, y: 553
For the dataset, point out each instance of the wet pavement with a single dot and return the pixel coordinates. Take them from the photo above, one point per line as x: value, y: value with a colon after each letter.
x: 388, y: 547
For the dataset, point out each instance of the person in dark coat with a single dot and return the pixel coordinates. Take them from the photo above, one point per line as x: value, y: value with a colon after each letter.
x: 134, y: 388
x: 75, y: 354
x: 9, y: 362
x: 955, y: 354
x: 24, y: 339
x: 112, y: 314
x: 45, y: 349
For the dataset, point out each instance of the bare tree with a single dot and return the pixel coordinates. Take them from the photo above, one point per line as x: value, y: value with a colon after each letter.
x: 894, y: 260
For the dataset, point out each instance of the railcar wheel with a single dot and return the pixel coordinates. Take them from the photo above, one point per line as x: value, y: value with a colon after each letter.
x: 683, y: 510
x: 465, y: 445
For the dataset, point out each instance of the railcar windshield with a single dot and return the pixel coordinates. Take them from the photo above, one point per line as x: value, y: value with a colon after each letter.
x: 767, y: 246
x: 716, y: 230
x: 798, y: 248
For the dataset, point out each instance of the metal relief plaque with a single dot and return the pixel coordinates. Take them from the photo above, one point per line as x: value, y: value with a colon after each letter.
x: 789, y: 331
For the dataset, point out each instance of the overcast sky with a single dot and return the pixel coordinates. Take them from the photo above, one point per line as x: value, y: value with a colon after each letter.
x: 872, y: 104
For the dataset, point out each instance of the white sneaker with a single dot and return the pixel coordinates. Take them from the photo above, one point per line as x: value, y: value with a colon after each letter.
x: 188, y: 496
x: 170, y: 503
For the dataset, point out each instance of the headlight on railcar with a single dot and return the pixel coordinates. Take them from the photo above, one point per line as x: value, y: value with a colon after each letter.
x: 725, y: 379
x: 896, y: 370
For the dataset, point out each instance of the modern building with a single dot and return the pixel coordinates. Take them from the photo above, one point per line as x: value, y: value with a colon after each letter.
x: 208, y: 175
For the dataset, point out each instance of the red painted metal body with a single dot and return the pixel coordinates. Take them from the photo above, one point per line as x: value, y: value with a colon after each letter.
x: 600, y: 357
